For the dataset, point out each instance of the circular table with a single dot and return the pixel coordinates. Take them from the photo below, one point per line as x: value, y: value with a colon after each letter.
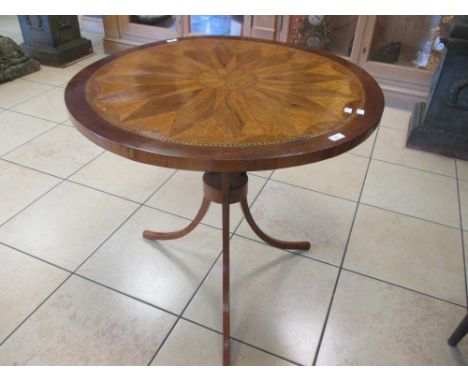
x: 224, y: 106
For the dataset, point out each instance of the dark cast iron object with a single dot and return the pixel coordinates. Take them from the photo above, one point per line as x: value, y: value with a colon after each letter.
x: 53, y: 40
x: 441, y: 124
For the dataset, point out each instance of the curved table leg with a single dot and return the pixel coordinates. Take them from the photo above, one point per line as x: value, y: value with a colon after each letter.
x: 268, y: 239
x: 151, y: 235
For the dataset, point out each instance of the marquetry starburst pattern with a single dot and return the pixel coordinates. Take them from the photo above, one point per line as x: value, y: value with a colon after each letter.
x: 222, y: 92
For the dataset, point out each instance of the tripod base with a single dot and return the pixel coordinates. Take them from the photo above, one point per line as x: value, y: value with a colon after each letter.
x: 226, y: 189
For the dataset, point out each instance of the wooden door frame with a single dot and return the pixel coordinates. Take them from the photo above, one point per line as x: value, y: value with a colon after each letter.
x: 400, y: 83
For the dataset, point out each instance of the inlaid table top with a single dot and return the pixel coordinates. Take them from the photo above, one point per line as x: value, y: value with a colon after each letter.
x: 224, y: 104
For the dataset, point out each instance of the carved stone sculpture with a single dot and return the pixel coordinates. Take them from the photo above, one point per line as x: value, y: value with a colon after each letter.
x: 13, y: 62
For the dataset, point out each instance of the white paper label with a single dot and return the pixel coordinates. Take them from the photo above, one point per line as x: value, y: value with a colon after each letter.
x: 336, y: 137
x: 348, y: 110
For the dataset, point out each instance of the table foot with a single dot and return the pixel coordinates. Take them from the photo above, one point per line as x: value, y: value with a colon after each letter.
x: 305, y: 245
x: 151, y: 235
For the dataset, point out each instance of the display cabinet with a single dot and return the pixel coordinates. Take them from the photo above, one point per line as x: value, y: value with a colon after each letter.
x: 401, y: 52
x: 123, y: 32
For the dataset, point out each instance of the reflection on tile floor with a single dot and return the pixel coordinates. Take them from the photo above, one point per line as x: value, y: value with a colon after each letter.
x: 388, y: 226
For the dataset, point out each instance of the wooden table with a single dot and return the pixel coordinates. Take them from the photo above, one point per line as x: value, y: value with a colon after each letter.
x: 224, y: 106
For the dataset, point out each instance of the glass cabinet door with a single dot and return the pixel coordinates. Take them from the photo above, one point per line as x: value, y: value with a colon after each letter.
x: 332, y: 33
x: 215, y: 25
x: 409, y: 41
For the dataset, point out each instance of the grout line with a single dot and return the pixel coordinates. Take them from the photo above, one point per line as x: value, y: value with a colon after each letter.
x: 105, y: 192
x: 30, y: 168
x: 28, y: 205
x: 34, y: 310
x: 287, y: 251
x: 36, y: 257
x: 413, y: 168
x: 319, y: 344
x: 35, y: 116
x: 36, y: 96
x: 403, y: 287
x: 30, y: 140
x: 408, y: 215
x: 52, y: 188
x: 125, y: 294
x: 42, y: 82
x: 462, y: 234
x: 240, y: 341
x: 310, y: 189
x: 394, y: 128
x: 182, y: 217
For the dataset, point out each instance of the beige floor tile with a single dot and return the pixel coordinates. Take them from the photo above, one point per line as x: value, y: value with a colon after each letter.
x: 26, y: 282
x: 462, y: 169
x: 407, y: 251
x: 165, y: 274
x: 373, y: 323
x: 193, y: 345
x: 10, y: 24
x: 50, y: 105
x: 340, y: 176
x: 183, y: 193
x: 15, y: 92
x: 66, y: 225
x: 61, y: 151
x: 365, y: 148
x: 278, y: 300
x: 16, y: 129
x: 463, y: 184
x: 99, y: 48
x: 413, y: 192
x: 20, y: 186
x: 86, y: 324
x: 54, y: 76
x: 396, y: 118
x: 390, y: 147
x: 290, y: 213
x: 95, y: 37
x: 123, y: 177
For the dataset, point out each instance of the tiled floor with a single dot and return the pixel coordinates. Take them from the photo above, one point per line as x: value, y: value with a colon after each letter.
x: 384, y: 281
